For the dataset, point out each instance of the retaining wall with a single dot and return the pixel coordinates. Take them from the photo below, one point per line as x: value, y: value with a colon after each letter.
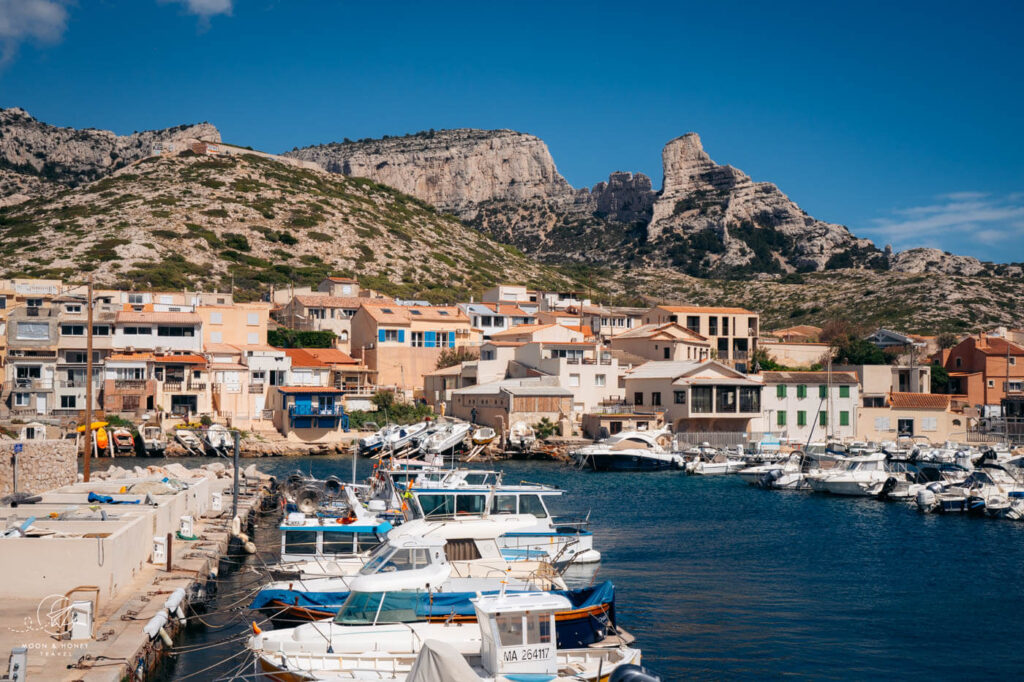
x: 41, y: 465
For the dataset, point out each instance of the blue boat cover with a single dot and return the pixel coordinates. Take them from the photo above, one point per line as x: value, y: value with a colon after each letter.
x: 107, y: 499
x: 436, y: 603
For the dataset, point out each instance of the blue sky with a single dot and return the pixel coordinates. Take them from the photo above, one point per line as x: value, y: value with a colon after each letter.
x: 899, y: 120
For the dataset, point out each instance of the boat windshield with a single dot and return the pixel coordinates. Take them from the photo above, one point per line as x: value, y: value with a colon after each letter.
x: 480, y: 479
x: 371, y: 608
x: 407, y: 559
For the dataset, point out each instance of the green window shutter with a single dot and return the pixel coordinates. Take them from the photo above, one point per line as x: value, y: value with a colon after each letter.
x: 844, y: 391
x: 844, y: 418
x: 782, y: 418
x: 780, y: 391
x: 801, y: 418
x: 801, y: 391
x: 822, y: 391
x: 823, y: 418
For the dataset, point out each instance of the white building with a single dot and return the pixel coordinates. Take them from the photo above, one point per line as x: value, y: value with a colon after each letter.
x: 803, y: 407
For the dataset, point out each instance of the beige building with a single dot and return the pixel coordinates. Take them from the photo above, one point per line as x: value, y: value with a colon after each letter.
x: 589, y: 372
x: 925, y: 416
x: 528, y: 333
x: 241, y: 324
x: 878, y: 381
x: 796, y: 354
x: 732, y: 332
x: 504, y: 403
x: 696, y: 396
x: 403, y: 343
x: 670, y: 341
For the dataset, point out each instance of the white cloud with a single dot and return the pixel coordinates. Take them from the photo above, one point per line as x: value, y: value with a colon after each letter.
x: 205, y: 8
x: 955, y: 221
x: 42, y: 21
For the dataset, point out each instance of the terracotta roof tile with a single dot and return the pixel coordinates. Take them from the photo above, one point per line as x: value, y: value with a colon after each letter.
x: 702, y: 309
x: 808, y: 377
x: 185, y: 359
x: 920, y: 401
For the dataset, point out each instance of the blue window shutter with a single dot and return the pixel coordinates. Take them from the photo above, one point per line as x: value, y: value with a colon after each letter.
x: 401, y: 336
x: 451, y: 339
x: 430, y: 339
x: 380, y: 335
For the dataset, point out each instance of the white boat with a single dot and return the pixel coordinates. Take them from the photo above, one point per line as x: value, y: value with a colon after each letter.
x: 511, y: 639
x: 446, y: 439
x: 154, y: 442
x: 122, y: 441
x: 763, y: 474
x: 521, y: 436
x: 219, y: 439
x: 717, y: 464
x: 403, y: 435
x: 483, y: 435
x: 852, y: 476
x: 190, y: 441
x: 992, y: 490
x: 630, y: 451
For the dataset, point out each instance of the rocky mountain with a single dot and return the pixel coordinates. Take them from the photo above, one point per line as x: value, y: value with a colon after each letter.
x: 249, y: 221
x: 41, y: 153
x: 707, y: 220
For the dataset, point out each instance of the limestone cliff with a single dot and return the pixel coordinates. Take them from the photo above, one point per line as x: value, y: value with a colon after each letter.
x: 71, y: 156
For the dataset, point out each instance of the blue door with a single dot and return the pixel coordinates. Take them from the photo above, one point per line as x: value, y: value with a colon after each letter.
x: 303, y: 403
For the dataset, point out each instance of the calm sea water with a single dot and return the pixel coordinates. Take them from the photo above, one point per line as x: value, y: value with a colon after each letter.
x: 719, y: 580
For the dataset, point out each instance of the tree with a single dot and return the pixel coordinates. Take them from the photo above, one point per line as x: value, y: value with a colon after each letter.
x: 946, y: 340
x: 940, y: 379
x: 545, y: 428
x: 456, y: 356
x: 766, y: 363
x: 854, y: 351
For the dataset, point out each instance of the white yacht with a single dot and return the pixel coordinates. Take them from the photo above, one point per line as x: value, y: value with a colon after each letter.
x: 449, y: 437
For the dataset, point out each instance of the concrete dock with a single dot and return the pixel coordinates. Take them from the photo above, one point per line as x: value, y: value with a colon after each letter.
x: 71, y: 560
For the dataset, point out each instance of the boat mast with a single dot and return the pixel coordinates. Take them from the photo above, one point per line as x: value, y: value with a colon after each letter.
x: 88, y: 383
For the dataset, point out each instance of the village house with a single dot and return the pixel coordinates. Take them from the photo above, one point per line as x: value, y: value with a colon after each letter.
x: 878, y: 381
x: 527, y: 299
x: 932, y: 417
x: 801, y: 407
x: 589, y: 372
x: 403, y: 343
x: 502, y: 404
x: 610, y: 321
x: 311, y: 414
x: 732, y: 332
x: 706, y: 396
x: 496, y: 317
x: 528, y: 333
x: 129, y: 387
x: 670, y: 341
x: 983, y: 368
x: 32, y: 341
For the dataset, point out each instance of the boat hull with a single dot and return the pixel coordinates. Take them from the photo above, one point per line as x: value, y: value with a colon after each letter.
x: 617, y: 462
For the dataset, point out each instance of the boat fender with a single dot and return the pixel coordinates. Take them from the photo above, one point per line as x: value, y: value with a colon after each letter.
x: 236, y: 526
x: 250, y: 547
x: 632, y: 673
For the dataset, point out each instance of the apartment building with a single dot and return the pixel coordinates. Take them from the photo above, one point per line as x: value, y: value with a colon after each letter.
x: 608, y: 322
x: 31, y: 365
x: 732, y: 331
x: 588, y: 371
x: 670, y: 341
x: 491, y: 318
x: 983, y: 368
x: 402, y: 343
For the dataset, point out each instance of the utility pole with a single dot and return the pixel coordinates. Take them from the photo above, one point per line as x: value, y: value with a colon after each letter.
x: 88, y: 383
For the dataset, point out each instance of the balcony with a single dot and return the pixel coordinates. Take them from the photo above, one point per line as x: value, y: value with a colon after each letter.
x: 315, y: 411
x: 173, y: 386
x: 740, y: 355
x: 31, y: 384
x: 75, y: 383
x: 130, y: 384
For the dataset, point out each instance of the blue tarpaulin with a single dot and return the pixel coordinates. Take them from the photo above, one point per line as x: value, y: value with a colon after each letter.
x: 107, y: 499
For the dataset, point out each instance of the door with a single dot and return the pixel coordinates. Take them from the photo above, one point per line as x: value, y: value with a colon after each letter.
x: 303, y: 404
x: 40, y: 403
x: 259, y: 403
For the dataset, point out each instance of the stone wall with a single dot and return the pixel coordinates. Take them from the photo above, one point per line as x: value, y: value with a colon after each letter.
x: 42, y: 465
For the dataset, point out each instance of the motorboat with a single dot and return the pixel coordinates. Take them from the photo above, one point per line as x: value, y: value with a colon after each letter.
x: 521, y: 437
x: 463, y: 495
x: 993, y: 484
x: 764, y: 474
x: 122, y: 441
x: 219, y: 439
x: 483, y: 435
x: 630, y: 451
x: 856, y: 476
x: 372, y: 444
x: 446, y: 439
x: 717, y: 464
x: 404, y: 435
x: 154, y: 442
x: 509, y: 639
x: 189, y: 440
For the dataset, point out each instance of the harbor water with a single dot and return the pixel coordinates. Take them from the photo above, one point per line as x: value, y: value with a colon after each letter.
x: 719, y: 580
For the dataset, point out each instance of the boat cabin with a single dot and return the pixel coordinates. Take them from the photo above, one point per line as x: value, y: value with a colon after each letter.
x: 304, y: 538
x: 434, y: 503
x: 517, y: 632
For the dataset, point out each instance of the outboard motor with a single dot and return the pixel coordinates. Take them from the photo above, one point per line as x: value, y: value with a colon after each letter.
x: 632, y: 673
x: 926, y: 499
x: 887, y: 488
x: 768, y: 478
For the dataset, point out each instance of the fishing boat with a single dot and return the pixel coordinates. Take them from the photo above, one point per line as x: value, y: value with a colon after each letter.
x: 510, y: 640
x: 122, y: 441
x: 447, y: 439
x: 153, y: 440
x: 218, y: 439
x: 630, y: 451
x: 483, y: 435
